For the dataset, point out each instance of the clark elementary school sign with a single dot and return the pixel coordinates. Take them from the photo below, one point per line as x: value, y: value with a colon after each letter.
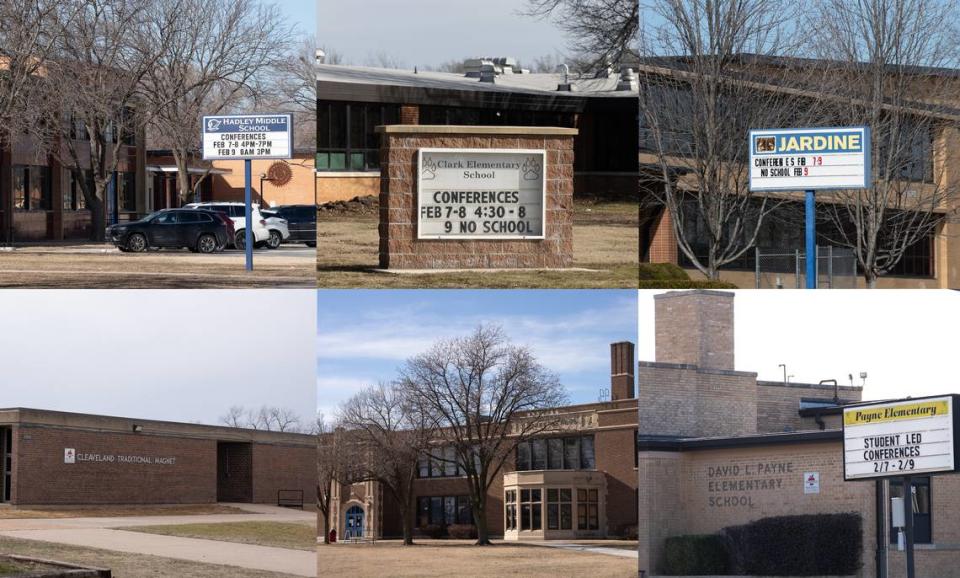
x: 481, y: 194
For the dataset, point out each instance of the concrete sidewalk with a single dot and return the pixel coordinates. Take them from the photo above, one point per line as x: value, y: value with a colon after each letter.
x: 587, y: 548
x: 293, y: 562
x: 257, y: 513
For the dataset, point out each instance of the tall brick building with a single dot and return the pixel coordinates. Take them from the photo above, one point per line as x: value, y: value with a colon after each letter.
x: 50, y: 457
x: 718, y: 448
x: 579, y: 481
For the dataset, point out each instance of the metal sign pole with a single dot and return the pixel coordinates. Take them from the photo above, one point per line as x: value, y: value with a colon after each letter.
x: 908, y: 519
x: 811, y: 228
x: 248, y: 230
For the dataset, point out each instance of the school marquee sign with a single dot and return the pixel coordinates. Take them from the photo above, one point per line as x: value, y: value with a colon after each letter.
x: 808, y: 159
x: 900, y: 438
x: 481, y: 194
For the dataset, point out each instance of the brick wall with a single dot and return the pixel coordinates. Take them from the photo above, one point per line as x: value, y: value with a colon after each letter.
x: 696, y: 328
x: 399, y: 246
x: 283, y: 467
x: 778, y: 405
x: 298, y: 191
x: 42, y: 477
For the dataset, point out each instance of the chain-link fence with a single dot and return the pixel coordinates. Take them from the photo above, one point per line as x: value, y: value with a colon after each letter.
x: 786, y: 269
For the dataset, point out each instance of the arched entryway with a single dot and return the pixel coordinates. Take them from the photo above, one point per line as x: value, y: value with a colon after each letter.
x: 353, y: 523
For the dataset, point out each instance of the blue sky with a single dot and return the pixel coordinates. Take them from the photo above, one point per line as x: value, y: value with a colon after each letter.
x: 364, y: 336
x: 430, y: 32
x: 302, y: 13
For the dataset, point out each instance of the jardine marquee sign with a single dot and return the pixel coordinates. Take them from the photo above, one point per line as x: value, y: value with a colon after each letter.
x: 808, y: 159
x: 481, y: 194
x: 900, y: 438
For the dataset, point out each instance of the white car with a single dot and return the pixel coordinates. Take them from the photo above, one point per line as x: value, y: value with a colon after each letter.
x: 279, y: 231
x: 237, y: 213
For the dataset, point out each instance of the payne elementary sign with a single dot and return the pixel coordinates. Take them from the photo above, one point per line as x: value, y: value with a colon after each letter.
x: 900, y: 438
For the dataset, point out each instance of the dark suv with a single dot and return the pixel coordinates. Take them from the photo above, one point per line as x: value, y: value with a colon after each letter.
x: 199, y: 231
x: 301, y: 221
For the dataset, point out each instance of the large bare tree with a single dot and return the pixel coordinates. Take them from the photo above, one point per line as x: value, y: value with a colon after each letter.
x: 95, y: 85
x: 484, y: 396
x: 213, y: 56
x: 876, y: 49
x: 698, y: 100
x: 601, y: 31
x: 392, y: 430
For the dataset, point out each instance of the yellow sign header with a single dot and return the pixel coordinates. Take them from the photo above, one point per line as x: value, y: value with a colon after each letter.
x: 909, y: 410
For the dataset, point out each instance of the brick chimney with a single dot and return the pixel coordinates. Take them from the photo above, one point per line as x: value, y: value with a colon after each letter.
x: 621, y: 371
x: 695, y: 328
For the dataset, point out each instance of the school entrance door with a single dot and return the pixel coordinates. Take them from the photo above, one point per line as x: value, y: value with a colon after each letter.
x: 354, y: 523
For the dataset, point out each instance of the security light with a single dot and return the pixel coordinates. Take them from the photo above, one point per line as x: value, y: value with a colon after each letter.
x: 137, y: 428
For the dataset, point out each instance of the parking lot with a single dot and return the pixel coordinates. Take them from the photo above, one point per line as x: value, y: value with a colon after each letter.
x: 102, y: 266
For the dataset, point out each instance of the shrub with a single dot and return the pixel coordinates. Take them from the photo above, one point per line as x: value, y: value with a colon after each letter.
x: 662, y: 271
x: 462, y: 531
x: 809, y: 545
x: 685, y: 284
x: 694, y: 555
x: 430, y: 531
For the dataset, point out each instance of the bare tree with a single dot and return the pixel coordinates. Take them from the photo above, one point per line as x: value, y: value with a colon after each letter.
x: 95, y: 84
x: 334, y: 466
x: 283, y: 419
x: 393, y: 431
x: 601, y: 30
x: 235, y: 417
x: 696, y: 109
x: 384, y: 59
x: 295, y: 88
x: 484, y: 396
x: 875, y: 48
x: 217, y: 57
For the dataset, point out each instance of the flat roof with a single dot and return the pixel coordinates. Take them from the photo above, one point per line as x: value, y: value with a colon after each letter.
x: 532, y: 83
x: 43, y: 418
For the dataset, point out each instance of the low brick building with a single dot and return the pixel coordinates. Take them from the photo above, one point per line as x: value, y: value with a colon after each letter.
x: 718, y: 448
x: 58, y: 458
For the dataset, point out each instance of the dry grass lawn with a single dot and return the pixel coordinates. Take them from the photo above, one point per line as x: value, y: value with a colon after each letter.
x: 161, y: 270
x: 117, y: 511
x: 276, y: 534
x: 606, y: 240
x: 127, y: 565
x: 460, y: 558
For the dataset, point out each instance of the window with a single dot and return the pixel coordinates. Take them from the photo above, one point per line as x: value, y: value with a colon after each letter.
x: 127, y: 191
x: 73, y: 199
x: 531, y: 510
x: 6, y: 455
x: 559, y: 509
x: 443, y: 511
x: 440, y: 463
x: 346, y: 135
x: 922, y: 518
x: 31, y: 188
x: 510, y: 509
x: 588, y: 510
x: 566, y: 453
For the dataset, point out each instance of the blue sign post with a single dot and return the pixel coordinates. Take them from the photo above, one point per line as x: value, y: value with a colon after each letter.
x: 247, y: 137
x: 809, y: 159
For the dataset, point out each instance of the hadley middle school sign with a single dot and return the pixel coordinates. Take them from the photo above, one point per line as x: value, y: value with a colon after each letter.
x: 809, y: 159
x: 481, y: 194
x: 900, y: 438
x: 248, y: 136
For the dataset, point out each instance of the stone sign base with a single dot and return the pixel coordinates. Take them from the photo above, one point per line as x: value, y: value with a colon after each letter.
x: 399, y: 246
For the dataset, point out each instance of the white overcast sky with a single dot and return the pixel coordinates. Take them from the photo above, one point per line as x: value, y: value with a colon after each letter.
x: 904, y: 340
x: 169, y: 355
x: 431, y: 32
